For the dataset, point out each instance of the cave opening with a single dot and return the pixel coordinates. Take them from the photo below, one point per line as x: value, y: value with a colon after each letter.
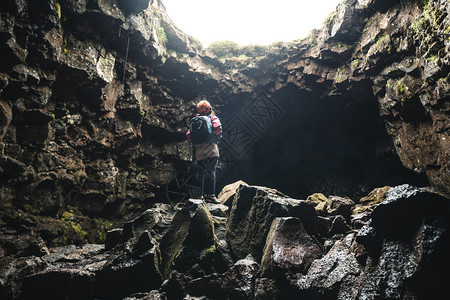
x: 336, y: 145
x: 248, y: 22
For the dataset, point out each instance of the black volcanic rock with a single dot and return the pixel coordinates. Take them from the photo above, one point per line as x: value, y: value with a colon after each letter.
x: 254, y: 208
x: 95, y: 98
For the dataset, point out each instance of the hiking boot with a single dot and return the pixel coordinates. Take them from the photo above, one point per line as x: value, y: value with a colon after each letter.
x: 212, y: 199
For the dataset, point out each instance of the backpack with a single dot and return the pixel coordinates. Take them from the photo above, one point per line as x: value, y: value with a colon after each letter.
x: 201, y: 130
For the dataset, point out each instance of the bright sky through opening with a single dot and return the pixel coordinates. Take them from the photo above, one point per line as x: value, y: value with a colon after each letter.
x: 248, y: 21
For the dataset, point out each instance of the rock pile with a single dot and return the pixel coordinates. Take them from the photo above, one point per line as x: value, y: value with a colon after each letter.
x: 268, y: 246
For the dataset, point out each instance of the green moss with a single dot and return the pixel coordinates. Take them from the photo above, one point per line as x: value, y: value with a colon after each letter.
x: 58, y: 10
x: 67, y: 216
x: 400, y: 88
x: 65, y: 46
x: 423, y: 3
x: 418, y: 24
x: 355, y: 63
x: 208, y: 252
x: 382, y: 38
x: 341, y: 75
x: 79, y: 230
x: 162, y: 36
x: 344, y: 45
x: 433, y: 57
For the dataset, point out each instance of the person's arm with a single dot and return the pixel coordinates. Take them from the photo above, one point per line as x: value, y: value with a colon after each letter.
x: 188, y: 134
x: 217, y: 126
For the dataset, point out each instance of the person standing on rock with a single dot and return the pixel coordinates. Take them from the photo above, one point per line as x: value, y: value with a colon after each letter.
x: 204, y: 133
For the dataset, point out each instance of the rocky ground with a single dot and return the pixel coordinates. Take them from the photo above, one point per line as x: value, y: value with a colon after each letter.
x: 390, y: 244
x: 95, y: 98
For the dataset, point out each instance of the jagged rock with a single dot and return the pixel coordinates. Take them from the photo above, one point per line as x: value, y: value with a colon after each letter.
x: 155, y: 220
x: 319, y: 201
x: 288, y: 248
x: 139, y: 268
x: 402, y: 212
x: 266, y: 288
x: 145, y: 242
x: 358, y: 220
x: 176, y: 285
x: 339, y: 225
x: 153, y: 295
x: 405, y: 267
x: 189, y: 244
x: 71, y: 267
x: 224, y: 259
x: 12, y: 273
x: 251, y: 216
x: 368, y: 202
x: 26, y: 245
x: 340, y: 206
x: 324, y: 225
x: 227, y: 194
x: 236, y: 283
x: 325, y: 276
x: 113, y: 238
x: 218, y: 210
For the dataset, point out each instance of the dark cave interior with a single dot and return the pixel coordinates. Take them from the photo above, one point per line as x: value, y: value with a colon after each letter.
x: 334, y: 145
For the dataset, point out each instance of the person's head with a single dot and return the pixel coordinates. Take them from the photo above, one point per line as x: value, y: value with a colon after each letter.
x: 204, y: 107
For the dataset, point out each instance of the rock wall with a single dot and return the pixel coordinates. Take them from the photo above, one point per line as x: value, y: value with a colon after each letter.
x: 400, y: 51
x: 95, y: 99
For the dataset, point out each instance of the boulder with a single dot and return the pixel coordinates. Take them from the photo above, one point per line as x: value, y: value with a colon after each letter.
x: 155, y: 220
x: 417, y: 268
x: 339, y: 226
x: 135, y: 263
x: 236, y: 283
x: 340, y: 206
x: 316, y: 198
x: 402, y: 212
x: 175, y: 287
x: 113, y: 238
x: 325, y: 276
x: 266, y: 288
x: 227, y: 194
x: 224, y: 259
x: 369, y: 202
x: 218, y: 210
x: 189, y: 244
x: 288, y: 248
x: 254, y: 208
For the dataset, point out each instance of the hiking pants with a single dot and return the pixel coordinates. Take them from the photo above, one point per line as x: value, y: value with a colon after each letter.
x: 207, y: 175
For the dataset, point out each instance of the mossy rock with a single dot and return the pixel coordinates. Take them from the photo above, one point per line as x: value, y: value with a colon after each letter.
x: 316, y: 198
x: 375, y: 196
x: 189, y: 241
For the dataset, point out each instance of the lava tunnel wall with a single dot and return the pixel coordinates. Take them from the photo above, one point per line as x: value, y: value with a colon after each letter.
x: 307, y: 144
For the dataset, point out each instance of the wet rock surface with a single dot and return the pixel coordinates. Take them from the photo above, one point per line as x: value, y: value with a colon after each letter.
x: 365, y: 263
